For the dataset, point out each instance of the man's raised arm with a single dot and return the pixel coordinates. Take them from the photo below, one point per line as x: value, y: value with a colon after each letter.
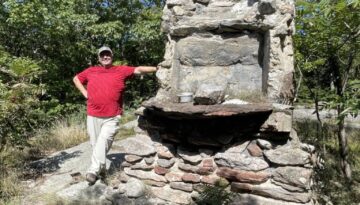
x: 145, y: 69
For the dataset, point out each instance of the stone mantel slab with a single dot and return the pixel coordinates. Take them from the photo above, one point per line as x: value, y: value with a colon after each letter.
x: 191, y: 111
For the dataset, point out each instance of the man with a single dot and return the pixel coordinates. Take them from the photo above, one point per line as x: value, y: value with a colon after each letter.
x: 105, y: 86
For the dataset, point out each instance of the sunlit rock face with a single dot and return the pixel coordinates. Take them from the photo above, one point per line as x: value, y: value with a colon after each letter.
x: 239, y: 47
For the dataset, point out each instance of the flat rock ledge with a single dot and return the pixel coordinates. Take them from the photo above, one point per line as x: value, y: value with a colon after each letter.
x: 191, y: 111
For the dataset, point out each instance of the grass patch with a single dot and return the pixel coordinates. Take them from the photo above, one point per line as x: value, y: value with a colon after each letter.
x: 124, y: 133
x: 251, y: 97
x: 64, y: 133
x: 128, y: 116
x: 331, y: 185
x: 10, y: 185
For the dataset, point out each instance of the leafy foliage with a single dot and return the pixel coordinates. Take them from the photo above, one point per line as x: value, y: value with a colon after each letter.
x: 327, y: 51
x: 328, y: 59
x: 331, y: 187
x: 45, y: 43
x: 215, y: 195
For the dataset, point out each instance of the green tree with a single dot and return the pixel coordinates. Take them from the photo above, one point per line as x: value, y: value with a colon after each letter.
x: 328, y: 57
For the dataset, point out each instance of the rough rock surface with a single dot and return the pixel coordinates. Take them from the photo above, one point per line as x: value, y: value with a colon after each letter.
x: 240, y: 161
x: 288, y: 156
x: 171, y: 195
x: 272, y: 191
x: 295, y: 176
x: 135, y: 188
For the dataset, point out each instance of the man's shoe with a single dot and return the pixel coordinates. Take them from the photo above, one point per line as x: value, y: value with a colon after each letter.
x: 91, y: 178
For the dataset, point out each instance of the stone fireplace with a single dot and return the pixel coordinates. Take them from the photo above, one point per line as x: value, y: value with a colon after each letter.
x: 236, y: 57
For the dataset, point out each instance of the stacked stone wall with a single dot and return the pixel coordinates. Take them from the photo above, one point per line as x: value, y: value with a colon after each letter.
x: 263, y: 170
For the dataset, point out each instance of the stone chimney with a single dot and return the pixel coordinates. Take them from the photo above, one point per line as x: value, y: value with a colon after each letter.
x: 240, y: 48
x: 236, y: 58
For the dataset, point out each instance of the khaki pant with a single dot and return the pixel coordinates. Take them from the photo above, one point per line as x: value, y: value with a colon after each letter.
x: 101, y: 132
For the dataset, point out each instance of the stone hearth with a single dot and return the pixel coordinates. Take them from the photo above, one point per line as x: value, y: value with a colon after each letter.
x: 225, y: 52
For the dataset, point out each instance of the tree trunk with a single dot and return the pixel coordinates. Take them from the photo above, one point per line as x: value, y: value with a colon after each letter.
x: 343, y: 146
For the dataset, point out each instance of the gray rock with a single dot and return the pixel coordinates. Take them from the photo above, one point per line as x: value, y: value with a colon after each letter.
x: 295, y: 176
x: 236, y: 157
x: 272, y: 191
x: 171, y: 3
x: 132, y: 158
x: 178, y: 11
x: 149, y: 160
x: 250, y: 199
x: 135, y: 188
x: 189, y: 156
x: 142, y: 166
x: 188, y: 167
x: 165, y: 163
x: 209, y: 94
x: 171, y: 195
x: 73, y: 191
x: 209, y: 52
x: 113, y: 194
x: 240, y: 161
x: 154, y: 183
x: 182, y: 186
x: 264, y: 144
x: 165, y: 151
x: 278, y: 122
x: 138, y: 146
x: 289, y: 187
x: 239, y: 147
x: 123, y: 177
x: 123, y: 200
x: 174, y: 176
x: 288, y: 156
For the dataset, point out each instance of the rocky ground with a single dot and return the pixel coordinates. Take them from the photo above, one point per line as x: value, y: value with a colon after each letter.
x: 63, y: 180
x: 62, y: 175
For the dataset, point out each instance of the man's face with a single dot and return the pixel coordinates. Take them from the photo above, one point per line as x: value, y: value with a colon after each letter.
x: 105, y: 58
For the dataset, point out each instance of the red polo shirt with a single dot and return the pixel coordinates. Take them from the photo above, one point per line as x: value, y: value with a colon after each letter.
x: 105, y: 88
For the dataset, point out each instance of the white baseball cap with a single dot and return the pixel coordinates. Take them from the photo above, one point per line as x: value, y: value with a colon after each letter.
x: 104, y: 48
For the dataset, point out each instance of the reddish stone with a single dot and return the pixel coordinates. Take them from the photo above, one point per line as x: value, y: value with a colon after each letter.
x: 160, y: 170
x: 205, y: 170
x: 243, y: 176
x: 254, y: 150
x: 194, y: 178
x: 208, y: 163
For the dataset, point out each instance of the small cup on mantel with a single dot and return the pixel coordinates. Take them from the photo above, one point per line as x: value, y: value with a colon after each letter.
x: 185, y: 97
